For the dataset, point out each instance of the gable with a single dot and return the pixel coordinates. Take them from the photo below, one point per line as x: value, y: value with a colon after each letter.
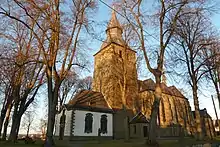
x: 139, y: 118
x: 89, y: 100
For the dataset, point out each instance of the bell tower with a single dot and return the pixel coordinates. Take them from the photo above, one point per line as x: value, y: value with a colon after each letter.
x: 115, y: 74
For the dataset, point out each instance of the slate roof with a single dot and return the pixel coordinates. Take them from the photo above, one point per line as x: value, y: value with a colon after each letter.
x: 113, y: 23
x: 149, y: 84
x: 139, y: 118
x: 89, y: 100
x: 118, y: 40
x: 203, y: 113
x: 176, y: 92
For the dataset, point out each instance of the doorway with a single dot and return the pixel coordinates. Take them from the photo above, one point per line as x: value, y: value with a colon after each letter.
x: 145, y: 128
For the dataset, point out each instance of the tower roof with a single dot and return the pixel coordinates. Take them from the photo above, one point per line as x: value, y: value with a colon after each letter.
x: 114, y: 23
x: 114, y: 32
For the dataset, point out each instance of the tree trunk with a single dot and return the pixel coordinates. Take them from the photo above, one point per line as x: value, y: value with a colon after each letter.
x: 28, y: 130
x: 5, y: 129
x: 6, y: 122
x: 218, y: 94
x: 18, y: 127
x: 15, y: 128
x: 153, y: 120
x: 199, y: 133
x: 14, y: 119
x: 50, y: 124
x: 2, y: 117
x: 52, y: 103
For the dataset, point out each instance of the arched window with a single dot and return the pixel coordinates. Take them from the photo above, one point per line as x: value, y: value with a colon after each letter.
x: 103, y: 123
x: 88, y: 123
x: 120, y: 54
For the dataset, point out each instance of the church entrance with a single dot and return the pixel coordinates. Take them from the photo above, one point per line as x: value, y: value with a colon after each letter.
x: 145, y: 129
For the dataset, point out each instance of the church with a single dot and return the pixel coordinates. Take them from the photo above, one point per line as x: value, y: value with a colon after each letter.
x: 119, y: 105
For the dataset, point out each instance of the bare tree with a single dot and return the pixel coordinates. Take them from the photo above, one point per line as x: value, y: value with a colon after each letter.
x: 167, y: 15
x: 68, y: 88
x: 85, y: 83
x: 192, y: 36
x: 21, y: 73
x: 57, y: 39
x: 212, y: 66
x: 43, y: 128
x: 28, y: 119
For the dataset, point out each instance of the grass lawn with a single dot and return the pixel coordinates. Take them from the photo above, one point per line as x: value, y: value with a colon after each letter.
x: 112, y: 143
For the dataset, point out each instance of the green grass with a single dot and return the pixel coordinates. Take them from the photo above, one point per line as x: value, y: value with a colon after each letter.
x: 112, y: 143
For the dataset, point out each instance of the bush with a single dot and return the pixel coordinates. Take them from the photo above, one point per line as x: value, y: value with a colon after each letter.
x: 29, y: 140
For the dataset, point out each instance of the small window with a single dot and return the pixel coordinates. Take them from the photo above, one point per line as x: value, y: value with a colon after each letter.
x: 135, y: 129
x: 103, y: 123
x: 88, y: 123
x: 120, y: 54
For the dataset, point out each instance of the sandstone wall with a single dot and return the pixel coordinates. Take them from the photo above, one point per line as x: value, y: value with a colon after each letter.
x: 115, y: 75
x: 172, y: 110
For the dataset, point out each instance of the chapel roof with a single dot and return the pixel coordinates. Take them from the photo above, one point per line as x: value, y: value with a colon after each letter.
x: 175, y: 91
x: 89, y: 100
x: 149, y: 84
x: 203, y: 113
x: 139, y: 118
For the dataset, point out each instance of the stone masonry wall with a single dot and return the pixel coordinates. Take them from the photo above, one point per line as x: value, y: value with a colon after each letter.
x: 115, y: 67
x: 172, y: 110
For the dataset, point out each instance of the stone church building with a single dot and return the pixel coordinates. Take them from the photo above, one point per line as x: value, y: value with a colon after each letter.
x: 119, y: 105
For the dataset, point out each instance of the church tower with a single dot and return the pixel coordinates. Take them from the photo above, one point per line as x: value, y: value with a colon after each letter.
x: 115, y: 74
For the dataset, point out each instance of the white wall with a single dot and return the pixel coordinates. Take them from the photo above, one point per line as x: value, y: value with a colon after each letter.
x: 80, y: 123
x: 57, y: 125
x: 67, y: 123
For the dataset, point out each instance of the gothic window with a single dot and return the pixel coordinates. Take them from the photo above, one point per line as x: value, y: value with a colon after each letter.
x: 103, y: 123
x: 120, y: 54
x: 163, y: 110
x: 88, y: 123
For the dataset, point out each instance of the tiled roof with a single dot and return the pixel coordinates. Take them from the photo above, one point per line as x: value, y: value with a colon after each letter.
x: 149, y: 84
x: 89, y: 100
x: 139, y: 118
x: 176, y: 92
x: 203, y: 113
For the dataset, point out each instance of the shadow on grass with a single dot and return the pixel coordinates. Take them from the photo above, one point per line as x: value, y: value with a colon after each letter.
x: 113, y: 143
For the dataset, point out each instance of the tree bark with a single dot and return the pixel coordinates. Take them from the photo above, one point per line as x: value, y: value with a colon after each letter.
x: 6, y: 122
x: 14, y: 119
x: 28, y: 130
x: 199, y: 133
x: 52, y: 103
x: 2, y: 117
x: 15, y: 128
x: 217, y: 92
x: 152, y: 140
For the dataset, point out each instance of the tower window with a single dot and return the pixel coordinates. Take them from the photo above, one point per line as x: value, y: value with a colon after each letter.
x: 88, y: 123
x: 120, y: 54
x: 104, y: 122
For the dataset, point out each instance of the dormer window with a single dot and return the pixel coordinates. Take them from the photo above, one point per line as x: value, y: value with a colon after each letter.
x: 120, y: 54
